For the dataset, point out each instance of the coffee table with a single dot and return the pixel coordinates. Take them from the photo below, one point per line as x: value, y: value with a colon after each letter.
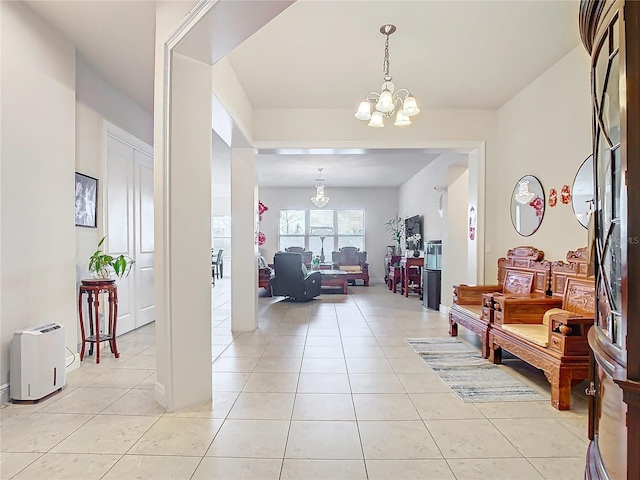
x: 334, y: 278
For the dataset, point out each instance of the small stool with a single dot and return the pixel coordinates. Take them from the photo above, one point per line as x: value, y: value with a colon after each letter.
x: 394, y: 277
x: 93, y: 289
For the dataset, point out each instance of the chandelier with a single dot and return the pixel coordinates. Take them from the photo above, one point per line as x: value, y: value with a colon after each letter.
x: 523, y: 195
x: 389, y: 101
x: 319, y: 199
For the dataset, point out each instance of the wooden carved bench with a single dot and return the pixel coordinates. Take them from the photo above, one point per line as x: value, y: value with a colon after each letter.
x: 522, y: 272
x: 550, y: 338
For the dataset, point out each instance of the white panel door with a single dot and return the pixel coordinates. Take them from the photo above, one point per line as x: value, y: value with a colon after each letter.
x: 120, y: 223
x: 145, y: 301
x: 129, y: 228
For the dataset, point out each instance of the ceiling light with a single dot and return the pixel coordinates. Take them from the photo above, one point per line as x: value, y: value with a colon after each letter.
x: 523, y: 195
x: 389, y: 101
x: 319, y: 199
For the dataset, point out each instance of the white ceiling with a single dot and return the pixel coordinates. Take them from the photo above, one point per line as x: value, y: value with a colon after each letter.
x: 450, y: 54
x: 115, y: 38
x: 385, y: 168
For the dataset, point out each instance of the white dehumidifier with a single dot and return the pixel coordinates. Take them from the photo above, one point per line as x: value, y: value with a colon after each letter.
x: 37, y: 362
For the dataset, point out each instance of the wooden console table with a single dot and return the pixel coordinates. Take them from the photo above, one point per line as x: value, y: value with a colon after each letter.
x: 406, y: 264
x: 93, y: 289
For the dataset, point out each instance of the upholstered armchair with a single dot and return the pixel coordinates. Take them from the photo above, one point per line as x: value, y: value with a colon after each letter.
x: 306, y: 255
x: 352, y: 261
x: 290, y: 280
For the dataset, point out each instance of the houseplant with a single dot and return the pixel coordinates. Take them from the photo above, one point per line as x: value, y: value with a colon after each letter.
x: 103, y: 265
x: 395, y: 227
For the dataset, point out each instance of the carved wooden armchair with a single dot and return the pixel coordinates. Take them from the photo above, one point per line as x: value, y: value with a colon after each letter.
x: 352, y: 261
x: 522, y: 272
x: 307, y: 256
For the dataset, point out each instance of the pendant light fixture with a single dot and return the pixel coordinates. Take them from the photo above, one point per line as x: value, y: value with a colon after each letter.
x: 389, y: 101
x: 319, y: 199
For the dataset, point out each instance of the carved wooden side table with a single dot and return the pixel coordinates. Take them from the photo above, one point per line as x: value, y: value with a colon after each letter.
x: 93, y: 289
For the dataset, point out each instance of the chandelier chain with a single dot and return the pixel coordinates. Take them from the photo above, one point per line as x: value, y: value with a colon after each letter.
x: 385, y: 62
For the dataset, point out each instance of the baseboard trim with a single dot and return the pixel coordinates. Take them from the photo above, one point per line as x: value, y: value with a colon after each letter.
x: 4, y: 393
x: 444, y: 310
x: 72, y: 362
x: 160, y: 395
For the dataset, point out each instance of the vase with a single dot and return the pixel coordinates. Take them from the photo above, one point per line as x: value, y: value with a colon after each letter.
x: 399, y: 250
x: 102, y: 274
x: 416, y: 253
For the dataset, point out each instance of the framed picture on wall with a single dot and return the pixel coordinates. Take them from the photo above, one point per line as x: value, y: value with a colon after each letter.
x: 86, y: 201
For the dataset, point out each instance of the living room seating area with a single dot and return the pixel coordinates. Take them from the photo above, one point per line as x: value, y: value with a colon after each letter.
x: 539, y: 311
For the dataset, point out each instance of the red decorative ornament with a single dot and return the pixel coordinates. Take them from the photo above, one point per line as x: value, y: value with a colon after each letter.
x: 261, y: 238
x: 472, y: 223
x: 553, y: 197
x: 261, y: 209
x: 538, y: 204
x: 565, y: 194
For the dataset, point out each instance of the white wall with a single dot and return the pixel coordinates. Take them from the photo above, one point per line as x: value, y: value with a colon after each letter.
x: 97, y: 101
x: 37, y: 236
x: 229, y: 92
x: 330, y: 126
x: 545, y: 130
x: 380, y: 205
x: 418, y: 197
x: 454, y: 244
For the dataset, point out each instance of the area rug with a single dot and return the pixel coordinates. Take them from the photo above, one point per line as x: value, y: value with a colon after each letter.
x: 471, y: 377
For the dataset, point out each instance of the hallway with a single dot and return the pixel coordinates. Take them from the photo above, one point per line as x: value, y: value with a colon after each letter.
x: 323, y: 390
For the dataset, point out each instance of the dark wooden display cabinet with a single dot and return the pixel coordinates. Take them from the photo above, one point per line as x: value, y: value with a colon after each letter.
x: 610, y: 31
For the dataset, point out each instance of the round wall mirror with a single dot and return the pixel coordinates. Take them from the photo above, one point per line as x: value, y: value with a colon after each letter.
x: 582, y: 192
x: 527, y: 205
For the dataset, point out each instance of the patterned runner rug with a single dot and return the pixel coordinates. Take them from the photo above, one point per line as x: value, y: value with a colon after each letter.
x: 471, y: 377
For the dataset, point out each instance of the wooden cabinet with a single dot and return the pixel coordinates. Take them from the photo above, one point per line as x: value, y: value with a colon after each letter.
x: 610, y: 31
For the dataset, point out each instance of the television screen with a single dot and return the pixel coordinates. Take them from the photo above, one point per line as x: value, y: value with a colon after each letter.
x: 411, y: 227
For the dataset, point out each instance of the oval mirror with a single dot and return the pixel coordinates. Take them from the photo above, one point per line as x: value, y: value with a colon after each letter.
x: 527, y: 205
x: 582, y: 192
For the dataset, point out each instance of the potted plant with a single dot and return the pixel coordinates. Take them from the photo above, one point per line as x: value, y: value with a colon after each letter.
x: 103, y: 265
x: 395, y: 227
x: 415, y: 243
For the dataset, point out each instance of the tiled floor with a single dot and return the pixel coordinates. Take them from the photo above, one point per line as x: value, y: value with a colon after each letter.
x: 322, y: 390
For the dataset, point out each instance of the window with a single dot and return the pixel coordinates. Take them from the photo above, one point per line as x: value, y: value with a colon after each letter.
x: 221, y: 234
x: 351, y: 228
x: 292, y: 229
x: 321, y: 225
x: 340, y: 228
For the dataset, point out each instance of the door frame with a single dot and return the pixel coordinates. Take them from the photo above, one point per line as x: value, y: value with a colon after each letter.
x: 109, y: 129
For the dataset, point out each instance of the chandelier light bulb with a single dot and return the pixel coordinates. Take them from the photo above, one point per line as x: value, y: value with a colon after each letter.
x: 376, y: 120
x: 385, y: 104
x: 402, y: 119
x: 410, y: 107
x: 389, y: 99
x: 364, y: 111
